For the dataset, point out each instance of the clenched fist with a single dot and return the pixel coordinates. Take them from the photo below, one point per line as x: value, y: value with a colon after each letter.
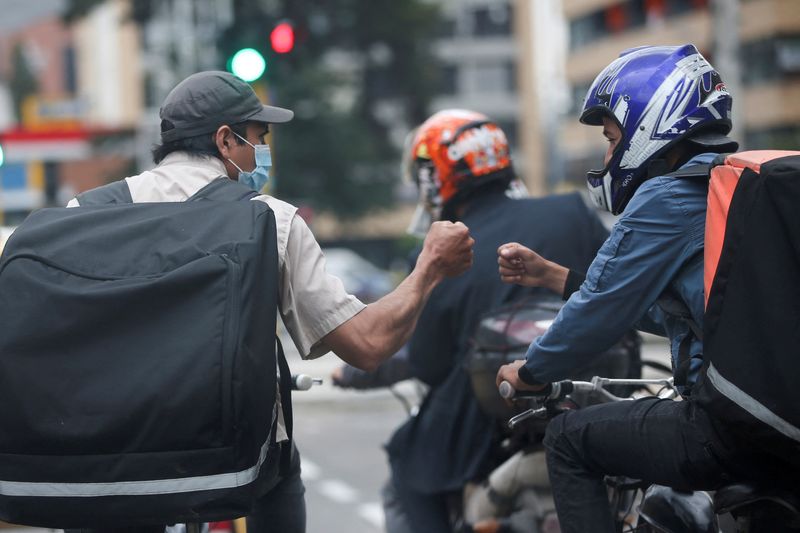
x: 448, y: 248
x: 522, y: 266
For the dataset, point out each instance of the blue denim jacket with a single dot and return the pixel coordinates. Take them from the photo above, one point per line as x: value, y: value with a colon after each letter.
x: 656, y: 243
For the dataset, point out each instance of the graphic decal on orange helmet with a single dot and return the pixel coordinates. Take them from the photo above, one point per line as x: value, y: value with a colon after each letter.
x: 451, y: 153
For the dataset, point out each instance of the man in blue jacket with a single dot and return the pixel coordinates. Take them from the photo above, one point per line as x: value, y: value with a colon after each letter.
x: 661, y: 109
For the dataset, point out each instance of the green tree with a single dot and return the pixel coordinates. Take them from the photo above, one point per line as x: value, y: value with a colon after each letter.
x: 23, y: 83
x: 334, y: 158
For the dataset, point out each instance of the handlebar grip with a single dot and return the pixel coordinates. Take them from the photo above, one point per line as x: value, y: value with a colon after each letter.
x: 508, y: 391
x: 557, y: 390
x: 304, y: 382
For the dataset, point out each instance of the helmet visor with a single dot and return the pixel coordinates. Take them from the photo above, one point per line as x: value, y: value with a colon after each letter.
x: 420, y: 222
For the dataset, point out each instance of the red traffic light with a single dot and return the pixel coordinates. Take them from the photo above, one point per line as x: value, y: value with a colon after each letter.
x: 282, y: 38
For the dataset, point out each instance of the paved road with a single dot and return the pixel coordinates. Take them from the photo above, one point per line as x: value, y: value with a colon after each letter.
x: 340, y: 435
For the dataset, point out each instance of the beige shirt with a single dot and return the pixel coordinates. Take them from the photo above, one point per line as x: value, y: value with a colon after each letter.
x: 312, y: 303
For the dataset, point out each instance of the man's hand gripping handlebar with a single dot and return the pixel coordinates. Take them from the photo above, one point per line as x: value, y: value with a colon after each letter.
x: 557, y: 391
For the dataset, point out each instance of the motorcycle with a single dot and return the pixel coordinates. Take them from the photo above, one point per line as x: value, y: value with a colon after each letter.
x: 640, y: 506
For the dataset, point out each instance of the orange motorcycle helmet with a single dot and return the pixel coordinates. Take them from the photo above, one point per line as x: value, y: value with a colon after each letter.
x: 451, y: 154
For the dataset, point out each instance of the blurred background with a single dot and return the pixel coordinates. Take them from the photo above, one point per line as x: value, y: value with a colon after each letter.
x: 81, y: 82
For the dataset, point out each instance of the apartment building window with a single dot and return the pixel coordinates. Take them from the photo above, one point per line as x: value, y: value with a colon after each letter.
x: 448, y: 81
x: 511, y: 76
x: 679, y: 7
x: 446, y: 28
x: 493, y: 77
x: 787, y: 54
x: 492, y: 20
x: 578, y: 93
x: 616, y: 18
x: 70, y: 72
x: 585, y: 29
x: 780, y: 138
x: 626, y: 16
x: 770, y: 59
x: 150, y: 98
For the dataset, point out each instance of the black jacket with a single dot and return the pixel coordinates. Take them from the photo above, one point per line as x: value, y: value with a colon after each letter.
x: 448, y: 442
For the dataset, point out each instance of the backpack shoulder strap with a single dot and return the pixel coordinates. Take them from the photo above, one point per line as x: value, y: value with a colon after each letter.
x: 224, y: 189
x: 113, y: 193
x: 694, y: 171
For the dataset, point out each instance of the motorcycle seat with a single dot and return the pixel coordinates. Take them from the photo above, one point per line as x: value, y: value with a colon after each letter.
x: 738, y: 495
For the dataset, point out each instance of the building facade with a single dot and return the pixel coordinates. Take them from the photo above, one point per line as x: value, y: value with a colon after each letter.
x: 755, y: 45
x: 72, y: 98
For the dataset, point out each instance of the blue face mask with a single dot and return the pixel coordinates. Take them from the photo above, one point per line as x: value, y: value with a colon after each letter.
x: 258, y: 177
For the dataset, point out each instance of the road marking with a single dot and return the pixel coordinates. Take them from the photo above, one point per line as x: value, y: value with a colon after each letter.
x: 372, y: 513
x: 309, y: 470
x: 337, y: 491
x: 6, y: 529
x: 342, y: 493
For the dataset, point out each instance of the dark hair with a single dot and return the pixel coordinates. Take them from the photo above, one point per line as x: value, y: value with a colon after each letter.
x: 198, y: 145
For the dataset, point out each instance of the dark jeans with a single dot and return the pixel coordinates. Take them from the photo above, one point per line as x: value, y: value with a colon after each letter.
x: 661, y: 441
x: 282, y: 509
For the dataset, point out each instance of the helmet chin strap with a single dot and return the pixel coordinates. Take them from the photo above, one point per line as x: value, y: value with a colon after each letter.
x: 601, y: 194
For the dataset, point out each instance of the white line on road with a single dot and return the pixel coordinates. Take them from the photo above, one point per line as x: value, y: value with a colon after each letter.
x: 342, y: 493
x: 372, y: 513
x: 337, y: 491
x: 309, y: 470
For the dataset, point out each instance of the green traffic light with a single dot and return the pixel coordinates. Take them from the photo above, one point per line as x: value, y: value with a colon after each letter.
x: 2, y: 157
x: 248, y: 64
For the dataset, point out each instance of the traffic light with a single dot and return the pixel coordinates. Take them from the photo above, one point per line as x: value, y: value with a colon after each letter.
x: 2, y: 156
x: 282, y: 38
x: 248, y: 64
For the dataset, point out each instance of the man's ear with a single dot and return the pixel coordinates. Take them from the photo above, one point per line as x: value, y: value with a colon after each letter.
x: 223, y: 138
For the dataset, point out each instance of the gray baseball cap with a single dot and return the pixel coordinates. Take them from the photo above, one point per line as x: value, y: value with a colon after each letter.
x: 207, y: 100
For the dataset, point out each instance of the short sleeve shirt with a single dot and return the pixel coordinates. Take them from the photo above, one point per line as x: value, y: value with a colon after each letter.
x: 312, y: 303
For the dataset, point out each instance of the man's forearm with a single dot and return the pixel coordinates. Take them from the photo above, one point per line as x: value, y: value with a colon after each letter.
x: 378, y: 331
x: 383, y: 327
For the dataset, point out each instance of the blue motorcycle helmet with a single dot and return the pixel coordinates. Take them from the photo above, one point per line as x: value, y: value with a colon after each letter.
x: 658, y: 96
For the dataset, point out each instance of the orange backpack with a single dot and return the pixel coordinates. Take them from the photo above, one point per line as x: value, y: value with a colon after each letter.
x: 723, y: 179
x: 751, y: 329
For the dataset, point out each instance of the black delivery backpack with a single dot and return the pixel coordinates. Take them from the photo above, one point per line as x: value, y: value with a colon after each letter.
x: 751, y: 375
x: 138, y: 365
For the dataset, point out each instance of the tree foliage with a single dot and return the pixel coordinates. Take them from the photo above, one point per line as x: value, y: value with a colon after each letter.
x: 332, y: 156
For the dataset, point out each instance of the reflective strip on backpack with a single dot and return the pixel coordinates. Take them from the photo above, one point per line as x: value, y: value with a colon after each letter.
x: 751, y: 405
x: 136, y: 488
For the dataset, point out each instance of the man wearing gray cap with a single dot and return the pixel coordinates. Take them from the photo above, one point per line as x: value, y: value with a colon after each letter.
x: 213, y: 124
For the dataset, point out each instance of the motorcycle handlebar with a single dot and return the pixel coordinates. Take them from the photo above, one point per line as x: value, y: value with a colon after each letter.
x: 304, y: 382
x: 557, y: 390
